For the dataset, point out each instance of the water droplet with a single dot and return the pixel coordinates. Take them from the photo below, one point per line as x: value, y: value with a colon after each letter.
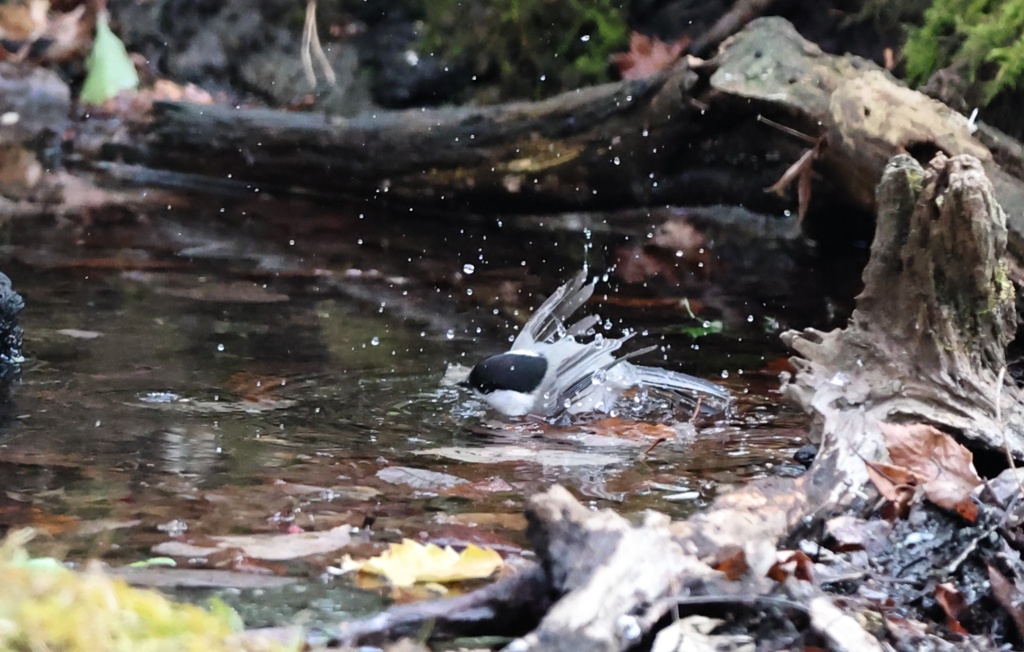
x: 220, y: 347
x: 468, y: 268
x: 750, y: 319
x: 725, y: 374
x: 585, y: 38
x: 374, y: 341
x: 450, y: 334
x: 469, y: 292
x: 616, y: 160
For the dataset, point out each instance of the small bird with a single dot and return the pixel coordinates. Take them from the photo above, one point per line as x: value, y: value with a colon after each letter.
x: 549, y: 373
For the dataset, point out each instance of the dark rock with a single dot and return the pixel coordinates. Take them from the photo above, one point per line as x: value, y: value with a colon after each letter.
x: 805, y: 454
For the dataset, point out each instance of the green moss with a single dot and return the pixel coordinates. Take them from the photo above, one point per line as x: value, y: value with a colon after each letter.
x: 980, y: 38
x: 529, y: 48
x: 44, y: 606
x: 1006, y: 294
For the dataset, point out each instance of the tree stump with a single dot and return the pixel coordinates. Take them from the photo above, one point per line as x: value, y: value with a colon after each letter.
x: 927, y: 341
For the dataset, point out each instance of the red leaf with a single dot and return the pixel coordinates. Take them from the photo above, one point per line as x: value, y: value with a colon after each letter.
x: 732, y: 561
x: 648, y: 56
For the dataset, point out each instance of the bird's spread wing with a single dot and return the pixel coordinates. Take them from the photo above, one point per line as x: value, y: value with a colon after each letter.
x: 549, y: 319
x: 575, y: 371
x: 574, y: 364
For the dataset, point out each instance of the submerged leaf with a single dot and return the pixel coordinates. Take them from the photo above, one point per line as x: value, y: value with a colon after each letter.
x: 500, y: 454
x: 110, y: 69
x: 409, y: 562
x: 268, y: 547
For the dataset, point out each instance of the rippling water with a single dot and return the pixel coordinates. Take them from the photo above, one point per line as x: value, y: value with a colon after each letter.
x: 189, y: 377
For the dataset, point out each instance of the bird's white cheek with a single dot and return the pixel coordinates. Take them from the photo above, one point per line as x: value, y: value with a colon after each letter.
x: 514, y: 404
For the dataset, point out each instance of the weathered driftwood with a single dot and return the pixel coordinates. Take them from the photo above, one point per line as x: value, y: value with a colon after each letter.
x: 927, y: 341
x: 607, y: 584
x: 690, y: 135
x: 511, y: 606
x: 926, y: 344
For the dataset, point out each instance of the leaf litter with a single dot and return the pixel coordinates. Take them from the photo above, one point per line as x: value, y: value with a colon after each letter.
x: 927, y: 457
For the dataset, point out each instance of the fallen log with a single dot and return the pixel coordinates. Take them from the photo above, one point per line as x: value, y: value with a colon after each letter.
x: 926, y: 344
x: 687, y: 136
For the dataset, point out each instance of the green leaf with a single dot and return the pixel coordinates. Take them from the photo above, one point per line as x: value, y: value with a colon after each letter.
x: 110, y: 69
x: 153, y: 561
x: 699, y: 330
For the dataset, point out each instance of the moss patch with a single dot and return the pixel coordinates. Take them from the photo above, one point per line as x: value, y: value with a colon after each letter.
x: 44, y: 606
x: 529, y: 48
x: 980, y: 38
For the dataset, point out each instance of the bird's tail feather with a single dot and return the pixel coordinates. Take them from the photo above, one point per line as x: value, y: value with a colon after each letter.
x: 676, y: 381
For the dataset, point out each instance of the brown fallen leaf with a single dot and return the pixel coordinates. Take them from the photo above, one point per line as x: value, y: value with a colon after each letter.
x: 732, y: 561
x: 648, y: 55
x: 953, y: 605
x: 797, y: 565
x: 802, y: 172
x: 1009, y: 595
x: 251, y: 386
x: 480, y: 489
x: 896, y: 484
x: 632, y: 430
x: 945, y: 468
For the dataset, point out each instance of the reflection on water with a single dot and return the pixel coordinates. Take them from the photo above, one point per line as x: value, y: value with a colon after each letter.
x: 213, y: 380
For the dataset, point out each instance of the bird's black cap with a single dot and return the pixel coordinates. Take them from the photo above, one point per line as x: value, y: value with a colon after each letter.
x: 518, y: 372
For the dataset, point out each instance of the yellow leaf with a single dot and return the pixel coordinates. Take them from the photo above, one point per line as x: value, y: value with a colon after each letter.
x: 409, y: 562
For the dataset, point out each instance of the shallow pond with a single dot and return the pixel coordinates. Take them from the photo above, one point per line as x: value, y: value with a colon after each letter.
x: 276, y: 367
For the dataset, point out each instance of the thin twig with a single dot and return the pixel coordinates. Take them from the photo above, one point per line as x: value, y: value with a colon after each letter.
x: 311, y: 46
x: 1002, y: 428
x: 651, y: 447
x: 696, y: 409
x: 787, y: 130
